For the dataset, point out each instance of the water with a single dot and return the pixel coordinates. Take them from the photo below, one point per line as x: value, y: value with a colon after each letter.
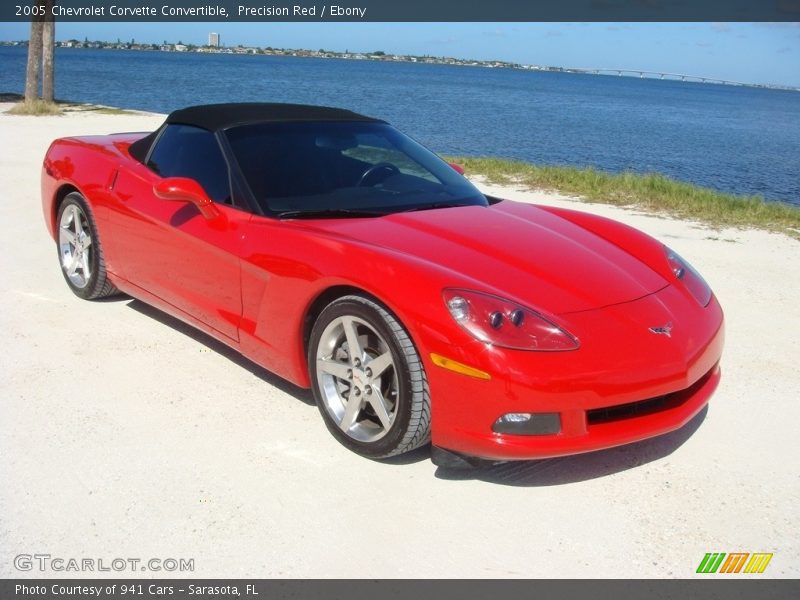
x: 733, y: 139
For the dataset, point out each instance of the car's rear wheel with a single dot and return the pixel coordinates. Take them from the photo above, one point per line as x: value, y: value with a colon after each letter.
x: 79, y: 251
x: 369, y: 382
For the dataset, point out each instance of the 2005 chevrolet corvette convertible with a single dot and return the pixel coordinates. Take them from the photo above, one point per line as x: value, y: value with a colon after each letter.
x: 338, y: 253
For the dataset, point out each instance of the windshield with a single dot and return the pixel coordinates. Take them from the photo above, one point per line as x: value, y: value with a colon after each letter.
x: 344, y: 168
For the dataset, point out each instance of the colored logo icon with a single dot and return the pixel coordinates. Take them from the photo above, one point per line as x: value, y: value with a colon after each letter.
x: 736, y: 562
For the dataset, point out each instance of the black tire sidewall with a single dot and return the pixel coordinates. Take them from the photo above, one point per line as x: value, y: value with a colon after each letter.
x: 387, y: 445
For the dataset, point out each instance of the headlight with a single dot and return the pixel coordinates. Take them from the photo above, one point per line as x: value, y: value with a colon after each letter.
x: 683, y: 271
x: 500, y: 322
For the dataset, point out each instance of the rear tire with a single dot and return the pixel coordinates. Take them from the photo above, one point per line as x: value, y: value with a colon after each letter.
x: 80, y: 253
x: 373, y: 399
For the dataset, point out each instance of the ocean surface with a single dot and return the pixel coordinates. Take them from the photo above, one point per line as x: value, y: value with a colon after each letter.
x: 734, y: 139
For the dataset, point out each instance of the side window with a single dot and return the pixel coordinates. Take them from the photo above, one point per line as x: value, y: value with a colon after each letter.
x: 185, y: 151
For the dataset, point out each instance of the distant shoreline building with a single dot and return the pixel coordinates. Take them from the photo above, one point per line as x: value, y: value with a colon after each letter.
x: 213, y: 40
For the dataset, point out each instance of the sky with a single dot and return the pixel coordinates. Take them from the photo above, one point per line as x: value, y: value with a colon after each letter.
x: 746, y: 52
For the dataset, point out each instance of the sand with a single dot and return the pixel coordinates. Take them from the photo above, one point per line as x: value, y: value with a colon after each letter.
x: 125, y: 434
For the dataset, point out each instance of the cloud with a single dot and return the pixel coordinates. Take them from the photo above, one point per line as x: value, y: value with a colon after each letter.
x: 721, y: 27
x: 784, y: 50
x: 553, y: 33
x: 703, y: 44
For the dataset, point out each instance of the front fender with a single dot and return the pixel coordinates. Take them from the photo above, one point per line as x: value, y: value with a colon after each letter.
x: 636, y: 243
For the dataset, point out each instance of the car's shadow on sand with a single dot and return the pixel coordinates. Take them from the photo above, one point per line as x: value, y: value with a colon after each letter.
x: 581, y: 467
x: 232, y: 355
x: 535, y: 473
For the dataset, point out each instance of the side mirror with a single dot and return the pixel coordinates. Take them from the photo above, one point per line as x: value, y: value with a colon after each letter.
x: 183, y: 189
x: 457, y: 168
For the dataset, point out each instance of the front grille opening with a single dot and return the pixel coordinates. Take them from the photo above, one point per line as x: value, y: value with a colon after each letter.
x: 619, y: 412
x: 627, y: 411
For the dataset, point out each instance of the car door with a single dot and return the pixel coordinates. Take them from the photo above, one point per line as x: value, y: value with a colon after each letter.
x: 169, y: 248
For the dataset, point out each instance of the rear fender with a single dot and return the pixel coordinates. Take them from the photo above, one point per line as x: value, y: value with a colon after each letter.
x: 87, y: 165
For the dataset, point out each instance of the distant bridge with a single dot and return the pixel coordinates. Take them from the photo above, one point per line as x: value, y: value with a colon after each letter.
x: 678, y: 77
x: 660, y: 75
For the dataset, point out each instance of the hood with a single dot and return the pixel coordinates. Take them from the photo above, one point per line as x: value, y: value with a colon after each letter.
x: 515, y: 250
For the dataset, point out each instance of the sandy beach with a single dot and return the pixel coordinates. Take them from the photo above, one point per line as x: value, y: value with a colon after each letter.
x: 126, y: 434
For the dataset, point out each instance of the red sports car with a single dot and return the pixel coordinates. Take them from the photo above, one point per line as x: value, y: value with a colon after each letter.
x: 340, y: 254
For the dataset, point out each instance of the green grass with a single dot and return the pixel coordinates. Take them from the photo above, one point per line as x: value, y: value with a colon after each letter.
x: 652, y: 192
x: 101, y: 110
x: 41, y: 108
x: 36, y: 108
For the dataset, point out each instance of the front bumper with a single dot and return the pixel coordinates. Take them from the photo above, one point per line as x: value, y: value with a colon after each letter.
x: 624, y: 384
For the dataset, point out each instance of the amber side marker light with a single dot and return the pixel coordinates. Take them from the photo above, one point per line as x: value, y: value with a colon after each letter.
x: 452, y: 365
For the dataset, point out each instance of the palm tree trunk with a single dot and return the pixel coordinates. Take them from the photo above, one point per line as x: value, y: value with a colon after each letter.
x: 48, y: 54
x: 34, y: 59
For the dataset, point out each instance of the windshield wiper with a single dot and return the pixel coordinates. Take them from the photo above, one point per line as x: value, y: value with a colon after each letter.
x: 327, y: 213
x: 435, y: 205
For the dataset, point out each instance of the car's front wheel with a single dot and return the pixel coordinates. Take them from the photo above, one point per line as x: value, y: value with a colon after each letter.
x: 369, y: 382
x: 79, y: 250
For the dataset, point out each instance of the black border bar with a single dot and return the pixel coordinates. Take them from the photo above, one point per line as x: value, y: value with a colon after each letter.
x: 713, y: 587
x: 409, y: 10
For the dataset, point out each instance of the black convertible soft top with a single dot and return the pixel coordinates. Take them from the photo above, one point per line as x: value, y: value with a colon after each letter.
x: 222, y: 116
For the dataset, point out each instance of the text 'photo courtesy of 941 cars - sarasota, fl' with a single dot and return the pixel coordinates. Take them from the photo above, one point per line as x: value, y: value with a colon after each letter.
x: 341, y: 255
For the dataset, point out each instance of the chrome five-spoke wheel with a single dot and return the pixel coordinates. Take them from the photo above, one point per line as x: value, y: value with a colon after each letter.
x: 368, y: 379
x: 357, y: 378
x: 75, y: 243
x: 79, y: 251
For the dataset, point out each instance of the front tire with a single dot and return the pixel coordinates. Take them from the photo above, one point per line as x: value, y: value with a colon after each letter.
x: 79, y: 251
x: 368, y: 380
